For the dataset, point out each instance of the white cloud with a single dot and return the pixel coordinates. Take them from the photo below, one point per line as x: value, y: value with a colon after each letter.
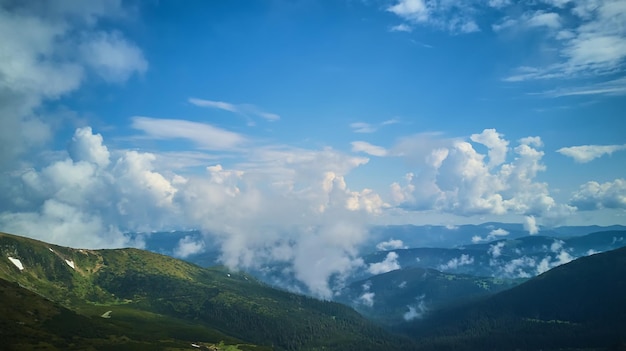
x: 453, y: 177
x: 456, y: 262
x: 204, y: 135
x: 530, y: 225
x: 367, y: 299
x: 390, y: 244
x: 403, y: 27
x: 417, y: 311
x: 188, y: 246
x: 390, y: 263
x: 39, y: 62
x: 498, y: 147
x: 593, y: 195
x: 455, y: 17
x: 587, y: 153
x: 412, y: 10
x: 495, y: 250
x: 113, y: 57
x: 592, y: 44
x: 363, y: 146
x: 88, y: 147
x: 242, y: 109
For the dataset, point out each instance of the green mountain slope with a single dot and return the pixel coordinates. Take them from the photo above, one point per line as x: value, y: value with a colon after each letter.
x: 151, y: 290
x: 579, y: 305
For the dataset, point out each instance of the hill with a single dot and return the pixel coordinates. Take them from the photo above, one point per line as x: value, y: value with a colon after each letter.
x: 579, y: 305
x: 148, y: 293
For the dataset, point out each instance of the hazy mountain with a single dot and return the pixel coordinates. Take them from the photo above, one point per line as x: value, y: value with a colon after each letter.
x: 159, y: 297
x: 407, y: 294
x: 579, y: 305
x: 522, y: 257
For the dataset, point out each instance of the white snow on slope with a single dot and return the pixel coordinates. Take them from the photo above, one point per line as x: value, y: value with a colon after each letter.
x: 70, y: 263
x: 17, y: 263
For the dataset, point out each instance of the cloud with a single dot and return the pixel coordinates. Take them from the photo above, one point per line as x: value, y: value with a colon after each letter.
x: 368, y: 297
x: 614, y: 87
x: 530, y: 225
x: 456, y: 262
x: 417, y: 311
x: 587, y: 153
x: 363, y: 146
x: 455, y: 17
x: 363, y: 127
x: 403, y: 27
x: 498, y: 147
x: 495, y: 250
x: 202, y: 134
x: 390, y: 244
x: 241, y: 109
x: 188, y: 246
x: 494, y: 234
x: 112, y: 56
x: 455, y: 178
x: 41, y: 61
x: 390, y: 263
x: 591, y: 45
x: 593, y: 195
x: 91, y: 195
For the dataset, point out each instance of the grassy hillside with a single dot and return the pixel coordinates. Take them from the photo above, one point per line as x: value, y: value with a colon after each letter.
x: 145, y: 289
x: 579, y: 305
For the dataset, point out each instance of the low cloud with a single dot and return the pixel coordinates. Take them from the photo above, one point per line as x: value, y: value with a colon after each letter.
x: 416, y: 311
x: 530, y: 225
x: 390, y: 244
x: 456, y: 262
x: 390, y: 263
x: 188, y: 246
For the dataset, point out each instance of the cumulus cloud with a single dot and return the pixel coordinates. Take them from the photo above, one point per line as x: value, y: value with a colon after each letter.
x: 454, y: 177
x: 367, y: 298
x: 587, y: 153
x: 593, y: 195
x: 390, y: 263
x: 242, y: 109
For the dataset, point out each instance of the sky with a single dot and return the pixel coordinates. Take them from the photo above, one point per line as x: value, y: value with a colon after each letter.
x: 283, y: 129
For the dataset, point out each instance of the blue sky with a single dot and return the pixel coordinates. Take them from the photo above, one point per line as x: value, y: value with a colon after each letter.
x: 291, y: 116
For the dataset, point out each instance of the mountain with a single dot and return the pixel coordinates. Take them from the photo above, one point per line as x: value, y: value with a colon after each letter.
x: 576, y: 306
x: 522, y: 257
x: 149, y: 296
x: 407, y: 294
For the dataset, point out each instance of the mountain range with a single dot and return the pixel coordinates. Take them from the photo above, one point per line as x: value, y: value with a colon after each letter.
x: 62, y: 298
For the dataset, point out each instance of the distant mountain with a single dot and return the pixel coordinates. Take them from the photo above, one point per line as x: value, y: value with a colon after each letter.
x: 577, y: 306
x: 522, y: 257
x: 141, y: 296
x: 407, y: 294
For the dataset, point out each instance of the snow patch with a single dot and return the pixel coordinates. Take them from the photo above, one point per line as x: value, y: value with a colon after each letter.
x: 17, y: 263
x: 50, y: 249
x: 70, y: 263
